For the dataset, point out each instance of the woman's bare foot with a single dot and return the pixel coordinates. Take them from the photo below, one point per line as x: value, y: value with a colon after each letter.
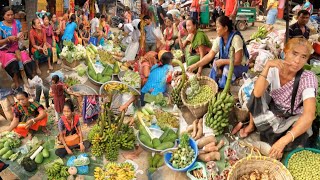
x: 50, y: 67
x: 38, y: 71
x: 244, y: 132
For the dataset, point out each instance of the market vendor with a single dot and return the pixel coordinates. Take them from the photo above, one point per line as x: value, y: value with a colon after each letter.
x: 285, y: 122
x: 127, y: 33
x: 39, y: 46
x: 227, y: 38
x: 71, y: 26
x: 143, y: 66
x: 300, y: 29
x: 199, y: 44
x: 11, y: 57
x: 70, y: 133
x: 27, y: 116
x: 170, y: 33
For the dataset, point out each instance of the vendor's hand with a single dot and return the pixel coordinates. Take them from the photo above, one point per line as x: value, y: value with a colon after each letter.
x: 29, y: 123
x: 21, y: 36
x: 275, y: 63
x: 218, y: 63
x: 69, y: 150
x: 82, y: 148
x: 277, y: 148
x: 198, y: 73
x: 13, y: 38
x: 123, y: 108
x: 192, y: 68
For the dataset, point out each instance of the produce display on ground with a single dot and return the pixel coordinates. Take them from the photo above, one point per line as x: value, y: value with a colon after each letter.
x: 260, y: 34
x: 131, y: 78
x: 166, y: 119
x: 71, y: 52
x: 155, y: 162
x: 115, y: 171
x: 71, y: 81
x: 176, y: 92
x: 257, y: 175
x: 197, y: 93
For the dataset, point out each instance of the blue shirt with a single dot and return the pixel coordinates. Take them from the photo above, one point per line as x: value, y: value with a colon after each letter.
x: 149, y: 34
x: 6, y: 31
x: 69, y: 31
x: 66, y: 4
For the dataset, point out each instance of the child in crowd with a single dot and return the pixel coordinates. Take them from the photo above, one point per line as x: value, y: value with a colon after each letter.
x: 151, y: 41
x: 57, y: 91
x: 84, y: 34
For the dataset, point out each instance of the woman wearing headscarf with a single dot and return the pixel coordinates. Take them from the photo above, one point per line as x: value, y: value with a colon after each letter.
x: 133, y: 47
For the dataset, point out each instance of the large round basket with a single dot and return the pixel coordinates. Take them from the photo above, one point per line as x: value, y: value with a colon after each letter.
x: 74, y: 63
x: 198, y: 110
x: 261, y: 163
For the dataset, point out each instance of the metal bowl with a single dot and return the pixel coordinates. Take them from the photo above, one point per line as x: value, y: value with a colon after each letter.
x: 83, y: 89
x: 157, y: 133
x: 92, y: 80
x: 102, y: 90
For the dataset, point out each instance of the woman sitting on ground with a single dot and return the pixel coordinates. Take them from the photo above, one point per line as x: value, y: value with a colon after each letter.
x: 27, y: 115
x: 289, y: 94
x: 170, y: 33
x: 199, y: 44
x: 69, y: 125
x: 227, y: 38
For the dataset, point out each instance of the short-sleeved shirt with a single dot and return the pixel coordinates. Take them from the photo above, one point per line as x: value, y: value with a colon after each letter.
x: 69, y: 31
x: 274, y: 3
x: 94, y: 24
x: 296, y: 32
x: 149, y: 34
x: 6, y: 31
x: 236, y: 42
x: 230, y: 5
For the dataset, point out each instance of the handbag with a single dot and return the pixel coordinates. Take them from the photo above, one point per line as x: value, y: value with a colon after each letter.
x: 73, y: 139
x: 282, y: 113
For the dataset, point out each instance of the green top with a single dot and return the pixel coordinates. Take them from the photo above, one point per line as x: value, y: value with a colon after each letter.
x: 154, y: 13
x: 200, y: 39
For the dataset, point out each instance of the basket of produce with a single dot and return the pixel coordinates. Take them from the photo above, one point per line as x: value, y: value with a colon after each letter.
x: 197, y: 93
x: 131, y: 78
x: 73, y: 64
x: 71, y: 54
x: 303, y: 163
x: 259, y: 167
x: 184, y: 157
x: 83, y: 89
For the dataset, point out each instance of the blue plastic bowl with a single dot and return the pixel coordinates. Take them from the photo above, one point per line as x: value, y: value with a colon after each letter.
x: 167, y: 157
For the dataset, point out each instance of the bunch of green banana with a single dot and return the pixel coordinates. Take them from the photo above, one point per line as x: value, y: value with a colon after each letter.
x: 126, y: 140
x: 112, y: 150
x: 261, y: 33
x: 176, y: 92
x: 98, y: 147
x: 64, y: 171
x: 54, y: 170
x: 220, y: 106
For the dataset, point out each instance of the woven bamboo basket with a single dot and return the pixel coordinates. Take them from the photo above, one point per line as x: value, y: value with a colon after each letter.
x: 74, y: 64
x: 198, y: 110
x: 241, y: 114
x: 261, y: 163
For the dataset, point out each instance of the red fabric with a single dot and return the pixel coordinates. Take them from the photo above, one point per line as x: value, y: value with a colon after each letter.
x: 58, y: 96
x: 75, y: 122
x: 37, y: 39
x: 169, y: 36
x: 169, y: 78
x: 21, y: 130
x: 195, y: 4
x: 230, y: 5
x: 76, y: 40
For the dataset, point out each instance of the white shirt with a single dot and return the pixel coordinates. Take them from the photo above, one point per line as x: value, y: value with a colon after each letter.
x: 94, y: 25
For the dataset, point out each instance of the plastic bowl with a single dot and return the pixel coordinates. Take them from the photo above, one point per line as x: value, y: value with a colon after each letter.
x: 167, y: 157
x: 316, y: 47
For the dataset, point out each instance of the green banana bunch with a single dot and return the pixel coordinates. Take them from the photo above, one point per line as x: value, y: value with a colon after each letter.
x: 176, y: 92
x: 64, y: 172
x: 112, y: 151
x: 219, y: 107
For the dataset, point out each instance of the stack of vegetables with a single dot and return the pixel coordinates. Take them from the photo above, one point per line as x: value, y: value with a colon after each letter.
x: 8, y: 143
x: 219, y: 107
x: 71, y: 81
x: 159, y: 99
x: 131, y: 78
x: 166, y: 140
x: 209, y: 149
x: 260, y: 34
x: 176, y: 92
x: 115, y: 171
x: 166, y: 119
x: 185, y: 155
x: 177, y: 54
x: 71, y: 53
x: 105, y: 75
x: 110, y: 135
x: 197, y: 93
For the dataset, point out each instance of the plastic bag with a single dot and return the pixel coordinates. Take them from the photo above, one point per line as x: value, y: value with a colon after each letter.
x: 212, y: 169
x: 82, y: 170
x: 157, y: 32
x: 82, y: 161
x: 36, y: 81
x: 245, y: 90
x: 197, y: 165
x: 70, y: 161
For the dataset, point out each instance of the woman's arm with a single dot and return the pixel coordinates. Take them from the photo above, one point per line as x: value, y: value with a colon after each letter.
x: 33, y: 42
x: 206, y: 59
x: 146, y: 71
x: 237, y: 59
x: 202, y: 54
x: 14, y: 123
x: 42, y: 114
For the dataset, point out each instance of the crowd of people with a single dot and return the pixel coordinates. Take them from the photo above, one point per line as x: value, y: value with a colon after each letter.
x: 162, y: 32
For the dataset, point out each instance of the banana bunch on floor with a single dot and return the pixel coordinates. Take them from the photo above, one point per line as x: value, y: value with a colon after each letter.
x: 218, y: 112
x: 57, y: 171
x: 115, y: 171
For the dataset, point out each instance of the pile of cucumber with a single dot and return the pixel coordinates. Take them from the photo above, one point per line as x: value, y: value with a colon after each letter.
x: 6, y: 148
x: 166, y: 140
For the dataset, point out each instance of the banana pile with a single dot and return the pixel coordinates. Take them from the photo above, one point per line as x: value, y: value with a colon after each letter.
x: 219, y: 107
x: 260, y: 34
x: 57, y: 171
x: 176, y: 92
x: 115, y: 171
x: 218, y: 112
x: 111, y: 87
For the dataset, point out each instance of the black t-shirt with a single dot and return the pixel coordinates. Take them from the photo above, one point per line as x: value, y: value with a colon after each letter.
x: 295, y: 31
x: 160, y: 10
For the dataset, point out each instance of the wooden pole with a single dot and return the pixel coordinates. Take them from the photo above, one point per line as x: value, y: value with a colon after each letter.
x: 287, y: 21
